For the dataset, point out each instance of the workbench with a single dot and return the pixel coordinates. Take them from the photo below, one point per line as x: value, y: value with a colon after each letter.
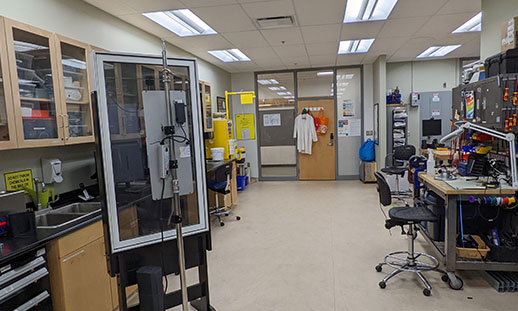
x: 446, y: 251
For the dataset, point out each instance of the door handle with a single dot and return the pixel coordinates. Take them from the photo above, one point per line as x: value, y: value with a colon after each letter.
x: 331, y: 139
x: 74, y: 255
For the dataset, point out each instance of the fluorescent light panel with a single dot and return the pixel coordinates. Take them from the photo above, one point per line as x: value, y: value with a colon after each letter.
x: 324, y: 73
x: 183, y: 22
x: 275, y: 88
x: 230, y: 56
x: 368, y: 10
x: 438, y: 51
x: 355, y: 46
x: 473, y: 24
x: 267, y: 81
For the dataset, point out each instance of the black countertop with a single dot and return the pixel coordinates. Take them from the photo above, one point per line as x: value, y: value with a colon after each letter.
x: 211, y: 165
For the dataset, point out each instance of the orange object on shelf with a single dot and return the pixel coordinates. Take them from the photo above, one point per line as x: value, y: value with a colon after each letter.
x: 482, y: 137
x: 40, y: 113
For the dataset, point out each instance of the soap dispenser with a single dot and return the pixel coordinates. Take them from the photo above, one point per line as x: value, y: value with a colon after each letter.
x: 430, y: 164
x: 52, y: 171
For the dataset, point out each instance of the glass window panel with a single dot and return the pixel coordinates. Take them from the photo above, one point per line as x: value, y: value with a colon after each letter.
x: 138, y: 213
x: 4, y: 126
x: 276, y: 120
x: 35, y: 83
x: 318, y: 83
x: 75, y: 82
x: 349, y: 108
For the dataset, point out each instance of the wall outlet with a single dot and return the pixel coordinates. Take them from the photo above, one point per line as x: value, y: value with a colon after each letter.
x: 369, y: 133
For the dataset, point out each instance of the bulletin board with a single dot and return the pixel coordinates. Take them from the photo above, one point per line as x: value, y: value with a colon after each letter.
x: 245, y: 126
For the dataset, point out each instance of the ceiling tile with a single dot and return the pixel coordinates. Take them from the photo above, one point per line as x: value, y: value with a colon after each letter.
x: 413, y: 8
x: 246, y: 66
x: 370, y: 58
x: 444, y: 24
x: 401, y: 27
x: 322, y: 60
x: 270, y: 63
x: 147, y: 25
x: 405, y: 53
x: 361, y: 30
x: 246, y: 39
x: 269, y: 8
x: 204, y: 43
x: 461, y: 6
x: 350, y: 59
x: 225, y: 18
x: 321, y: 33
x: 259, y: 53
x: 114, y: 7
x: 287, y: 51
x: 387, y: 45
x: 322, y: 12
x: 296, y: 62
x: 202, y: 3
x: 328, y: 48
x: 282, y: 36
x: 155, y: 5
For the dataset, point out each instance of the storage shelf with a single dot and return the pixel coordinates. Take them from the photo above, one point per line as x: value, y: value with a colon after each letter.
x: 34, y: 99
x: 78, y: 102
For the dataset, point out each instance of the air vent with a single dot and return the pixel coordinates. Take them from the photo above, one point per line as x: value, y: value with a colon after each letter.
x: 275, y: 22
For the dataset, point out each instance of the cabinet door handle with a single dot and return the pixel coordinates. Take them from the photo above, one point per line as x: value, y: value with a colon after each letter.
x: 73, y: 256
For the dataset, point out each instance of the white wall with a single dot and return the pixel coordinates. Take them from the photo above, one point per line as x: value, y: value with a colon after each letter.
x: 496, y: 12
x: 368, y: 101
x: 379, y: 86
x: 245, y: 82
x: 421, y: 76
x: 81, y: 21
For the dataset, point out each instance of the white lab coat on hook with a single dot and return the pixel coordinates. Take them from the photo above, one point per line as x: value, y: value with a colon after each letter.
x: 305, y: 133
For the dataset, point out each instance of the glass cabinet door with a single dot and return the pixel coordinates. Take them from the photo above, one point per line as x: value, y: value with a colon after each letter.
x: 75, y: 91
x: 7, y: 129
x: 32, y: 69
x: 208, y: 107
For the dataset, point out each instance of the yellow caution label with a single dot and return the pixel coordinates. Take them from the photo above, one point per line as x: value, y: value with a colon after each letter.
x: 18, y: 180
x: 247, y: 99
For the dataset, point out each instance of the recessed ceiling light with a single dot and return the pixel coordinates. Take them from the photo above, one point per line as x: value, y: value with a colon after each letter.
x: 355, y: 46
x: 368, y: 10
x: 324, y: 73
x: 473, y: 24
x: 288, y: 97
x: 230, y: 56
x: 274, y: 88
x: 182, y: 22
x: 284, y: 93
x: 267, y: 81
x: 282, y: 88
x: 349, y: 76
x: 438, y: 51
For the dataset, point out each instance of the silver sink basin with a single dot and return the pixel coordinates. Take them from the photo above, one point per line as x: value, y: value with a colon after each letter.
x: 79, y: 208
x: 66, y: 216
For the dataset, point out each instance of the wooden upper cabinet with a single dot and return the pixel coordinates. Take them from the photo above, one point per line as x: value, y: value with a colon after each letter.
x: 7, y: 118
x: 33, y: 66
x: 74, y: 89
x: 206, y: 102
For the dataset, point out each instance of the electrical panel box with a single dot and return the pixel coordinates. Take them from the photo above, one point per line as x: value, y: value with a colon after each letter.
x: 415, y: 99
x: 490, y: 109
x: 436, y: 106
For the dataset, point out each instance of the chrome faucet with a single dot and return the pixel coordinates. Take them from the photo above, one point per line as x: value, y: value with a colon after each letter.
x: 36, y: 182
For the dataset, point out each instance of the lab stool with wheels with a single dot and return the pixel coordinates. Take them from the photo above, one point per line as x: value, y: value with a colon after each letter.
x: 221, y: 184
x: 409, y: 260
x: 401, y: 154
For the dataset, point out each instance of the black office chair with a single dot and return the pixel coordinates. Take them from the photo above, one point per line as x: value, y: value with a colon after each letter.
x: 221, y: 184
x: 407, y: 261
x: 396, y: 163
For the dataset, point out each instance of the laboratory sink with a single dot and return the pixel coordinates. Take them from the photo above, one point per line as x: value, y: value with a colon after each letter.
x: 79, y: 208
x: 66, y: 216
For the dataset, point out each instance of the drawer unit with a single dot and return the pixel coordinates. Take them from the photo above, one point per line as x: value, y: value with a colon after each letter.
x: 24, y: 283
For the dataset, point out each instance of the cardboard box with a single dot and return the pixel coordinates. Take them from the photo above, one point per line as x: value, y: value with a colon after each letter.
x: 510, y: 34
x: 367, y: 170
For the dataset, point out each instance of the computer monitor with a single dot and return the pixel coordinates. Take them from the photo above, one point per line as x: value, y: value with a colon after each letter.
x: 432, y: 127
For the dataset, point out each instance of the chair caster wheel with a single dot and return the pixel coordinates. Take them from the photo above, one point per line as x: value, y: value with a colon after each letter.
x: 238, y: 217
x: 445, y: 278
x: 222, y: 224
x: 382, y: 284
x: 427, y: 292
x: 379, y: 268
x: 457, y: 285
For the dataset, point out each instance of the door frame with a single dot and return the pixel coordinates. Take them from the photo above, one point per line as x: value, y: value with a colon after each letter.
x: 296, y: 94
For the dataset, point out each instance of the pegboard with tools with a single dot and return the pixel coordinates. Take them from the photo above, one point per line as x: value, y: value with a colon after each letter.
x: 492, y: 102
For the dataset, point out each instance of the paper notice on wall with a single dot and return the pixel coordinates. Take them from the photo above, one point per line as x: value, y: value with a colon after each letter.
x: 349, y: 127
x: 185, y: 152
x: 245, y: 126
x: 347, y: 108
x: 436, y: 113
x: 272, y: 119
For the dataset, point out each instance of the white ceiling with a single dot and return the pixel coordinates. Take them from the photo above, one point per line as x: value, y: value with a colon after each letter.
x: 413, y: 26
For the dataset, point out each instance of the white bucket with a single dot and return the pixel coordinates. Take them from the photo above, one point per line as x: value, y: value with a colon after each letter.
x: 217, y: 154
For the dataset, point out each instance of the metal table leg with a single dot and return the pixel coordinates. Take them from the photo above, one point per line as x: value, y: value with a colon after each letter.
x: 450, y: 238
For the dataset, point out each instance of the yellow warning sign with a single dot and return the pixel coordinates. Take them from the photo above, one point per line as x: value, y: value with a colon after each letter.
x: 18, y: 180
x: 247, y: 99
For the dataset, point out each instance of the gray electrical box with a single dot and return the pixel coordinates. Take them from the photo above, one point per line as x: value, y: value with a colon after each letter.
x: 435, y: 106
x: 156, y: 118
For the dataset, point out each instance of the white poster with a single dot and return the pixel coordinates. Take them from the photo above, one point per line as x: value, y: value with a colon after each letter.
x: 272, y: 119
x: 349, y: 127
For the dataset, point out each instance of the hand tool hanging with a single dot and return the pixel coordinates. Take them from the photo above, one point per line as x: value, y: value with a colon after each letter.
x: 176, y: 213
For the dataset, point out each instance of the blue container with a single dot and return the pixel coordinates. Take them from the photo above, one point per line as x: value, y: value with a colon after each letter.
x: 247, y: 179
x: 241, y: 183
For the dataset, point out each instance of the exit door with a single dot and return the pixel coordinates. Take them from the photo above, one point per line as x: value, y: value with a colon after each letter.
x: 321, y: 164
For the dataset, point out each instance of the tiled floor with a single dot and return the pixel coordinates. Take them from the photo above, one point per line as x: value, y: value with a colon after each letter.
x: 313, y: 246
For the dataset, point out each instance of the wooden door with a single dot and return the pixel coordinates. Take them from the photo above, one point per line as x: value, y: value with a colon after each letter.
x: 321, y: 164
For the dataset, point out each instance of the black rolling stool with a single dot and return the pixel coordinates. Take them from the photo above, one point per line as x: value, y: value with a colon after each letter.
x: 400, y: 154
x: 221, y: 184
x: 410, y: 260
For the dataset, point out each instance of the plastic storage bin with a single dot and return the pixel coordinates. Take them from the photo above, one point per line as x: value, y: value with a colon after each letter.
x: 241, y: 183
x: 474, y: 253
x: 502, y: 63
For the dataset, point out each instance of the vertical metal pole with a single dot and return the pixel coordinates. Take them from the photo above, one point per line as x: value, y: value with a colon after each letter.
x: 175, y: 208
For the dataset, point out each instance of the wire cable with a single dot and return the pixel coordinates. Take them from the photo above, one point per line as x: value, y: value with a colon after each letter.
x: 164, y: 275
